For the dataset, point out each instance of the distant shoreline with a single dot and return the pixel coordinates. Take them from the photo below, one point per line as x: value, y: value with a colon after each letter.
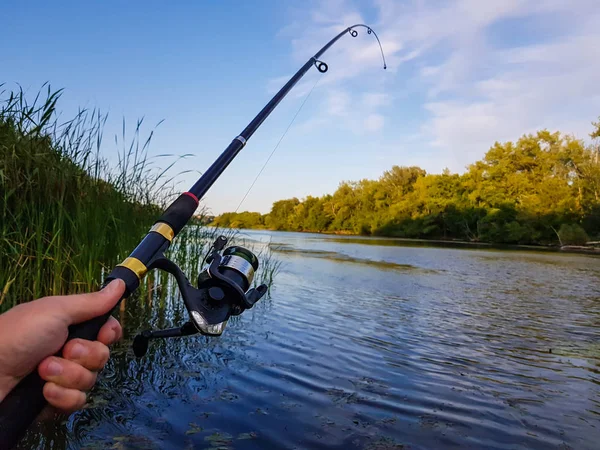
x: 575, y: 249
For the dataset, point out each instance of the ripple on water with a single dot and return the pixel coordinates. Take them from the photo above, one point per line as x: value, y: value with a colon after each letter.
x: 368, y: 346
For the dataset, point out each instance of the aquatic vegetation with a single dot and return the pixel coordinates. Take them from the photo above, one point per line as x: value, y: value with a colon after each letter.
x: 68, y: 214
x: 65, y: 213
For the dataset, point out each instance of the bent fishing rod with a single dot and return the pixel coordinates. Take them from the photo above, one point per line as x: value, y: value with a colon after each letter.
x: 223, y: 288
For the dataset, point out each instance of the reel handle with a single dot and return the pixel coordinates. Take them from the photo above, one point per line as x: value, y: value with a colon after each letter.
x: 26, y: 400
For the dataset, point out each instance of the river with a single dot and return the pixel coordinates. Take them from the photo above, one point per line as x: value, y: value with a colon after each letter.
x: 367, y: 344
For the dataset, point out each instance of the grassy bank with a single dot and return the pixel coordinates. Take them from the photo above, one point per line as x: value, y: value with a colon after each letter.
x: 67, y: 214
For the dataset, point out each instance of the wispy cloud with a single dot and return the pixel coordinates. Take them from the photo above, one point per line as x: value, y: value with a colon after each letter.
x: 374, y: 122
x: 478, y: 71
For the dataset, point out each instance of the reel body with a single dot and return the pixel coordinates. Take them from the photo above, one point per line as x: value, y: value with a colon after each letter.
x: 223, y: 290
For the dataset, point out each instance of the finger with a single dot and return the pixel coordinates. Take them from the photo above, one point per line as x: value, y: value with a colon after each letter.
x: 67, y: 400
x: 82, y: 307
x: 92, y: 355
x: 110, y: 332
x: 67, y: 374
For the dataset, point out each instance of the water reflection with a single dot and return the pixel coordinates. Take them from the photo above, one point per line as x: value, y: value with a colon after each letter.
x: 438, y: 348
x: 334, y: 256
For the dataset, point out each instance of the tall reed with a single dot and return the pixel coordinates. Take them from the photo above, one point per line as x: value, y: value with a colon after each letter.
x: 67, y: 215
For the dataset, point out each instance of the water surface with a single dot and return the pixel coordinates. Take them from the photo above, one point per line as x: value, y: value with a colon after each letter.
x: 368, y: 344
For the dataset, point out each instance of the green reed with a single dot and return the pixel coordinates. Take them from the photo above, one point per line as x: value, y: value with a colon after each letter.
x: 67, y: 215
x: 64, y: 212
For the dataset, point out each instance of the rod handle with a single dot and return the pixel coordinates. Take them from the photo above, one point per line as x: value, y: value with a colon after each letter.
x: 26, y: 400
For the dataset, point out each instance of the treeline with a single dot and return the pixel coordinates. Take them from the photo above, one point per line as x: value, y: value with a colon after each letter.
x: 543, y: 189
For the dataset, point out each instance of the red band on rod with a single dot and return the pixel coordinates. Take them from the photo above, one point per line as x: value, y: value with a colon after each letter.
x: 189, y: 194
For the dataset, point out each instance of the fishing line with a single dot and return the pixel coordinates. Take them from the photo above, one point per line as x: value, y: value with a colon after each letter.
x: 277, y: 145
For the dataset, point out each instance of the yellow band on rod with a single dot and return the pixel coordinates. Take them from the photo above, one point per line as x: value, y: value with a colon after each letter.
x: 136, y: 266
x: 164, y: 229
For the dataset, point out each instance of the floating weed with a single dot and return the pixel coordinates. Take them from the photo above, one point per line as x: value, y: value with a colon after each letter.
x: 194, y: 428
x: 260, y: 412
x: 325, y: 421
x: 289, y: 405
x: 219, y: 440
x: 340, y: 396
x: 429, y: 421
x: 370, y: 385
x: 384, y: 444
x: 228, y: 396
x: 246, y: 436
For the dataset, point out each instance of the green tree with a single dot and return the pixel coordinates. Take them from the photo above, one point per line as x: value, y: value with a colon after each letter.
x: 518, y: 193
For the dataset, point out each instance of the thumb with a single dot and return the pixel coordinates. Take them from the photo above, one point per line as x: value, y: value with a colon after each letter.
x: 81, y: 307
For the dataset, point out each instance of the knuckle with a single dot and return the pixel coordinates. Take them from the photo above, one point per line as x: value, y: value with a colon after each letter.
x: 68, y: 349
x: 51, y: 391
x: 77, y: 349
x: 78, y: 377
x: 102, y: 356
x: 91, y: 380
x: 83, y: 379
x: 73, y: 401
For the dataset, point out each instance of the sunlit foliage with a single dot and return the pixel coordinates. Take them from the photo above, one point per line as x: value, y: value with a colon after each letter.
x: 519, y: 193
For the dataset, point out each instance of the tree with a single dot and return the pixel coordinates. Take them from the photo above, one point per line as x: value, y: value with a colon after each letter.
x: 281, y: 214
x: 518, y: 193
x: 572, y: 234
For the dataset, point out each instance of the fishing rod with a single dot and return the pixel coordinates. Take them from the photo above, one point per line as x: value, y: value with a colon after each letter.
x: 223, y: 288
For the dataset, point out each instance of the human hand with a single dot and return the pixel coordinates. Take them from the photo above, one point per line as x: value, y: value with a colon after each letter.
x: 32, y: 333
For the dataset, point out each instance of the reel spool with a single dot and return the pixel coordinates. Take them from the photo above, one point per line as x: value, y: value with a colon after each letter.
x: 223, y: 291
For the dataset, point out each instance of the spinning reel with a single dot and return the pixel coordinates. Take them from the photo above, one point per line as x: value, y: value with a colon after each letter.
x: 223, y: 291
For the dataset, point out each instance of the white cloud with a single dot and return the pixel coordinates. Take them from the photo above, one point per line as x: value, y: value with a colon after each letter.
x: 470, y: 89
x: 375, y: 99
x: 550, y: 85
x: 338, y: 102
x: 374, y: 122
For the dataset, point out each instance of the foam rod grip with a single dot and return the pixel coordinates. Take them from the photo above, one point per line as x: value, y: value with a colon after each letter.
x: 20, y: 408
x: 26, y: 401
x: 180, y: 211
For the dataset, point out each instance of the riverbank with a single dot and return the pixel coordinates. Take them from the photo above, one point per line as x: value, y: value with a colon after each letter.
x: 590, y: 250
x: 580, y: 249
x: 593, y: 250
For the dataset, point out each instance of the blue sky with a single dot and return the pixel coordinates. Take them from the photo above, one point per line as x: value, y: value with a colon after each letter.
x: 461, y: 75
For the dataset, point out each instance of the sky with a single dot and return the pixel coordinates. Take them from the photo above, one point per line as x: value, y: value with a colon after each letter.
x: 462, y: 74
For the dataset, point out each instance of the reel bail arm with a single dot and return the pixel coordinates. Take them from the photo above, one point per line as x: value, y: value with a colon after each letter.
x: 223, y: 291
